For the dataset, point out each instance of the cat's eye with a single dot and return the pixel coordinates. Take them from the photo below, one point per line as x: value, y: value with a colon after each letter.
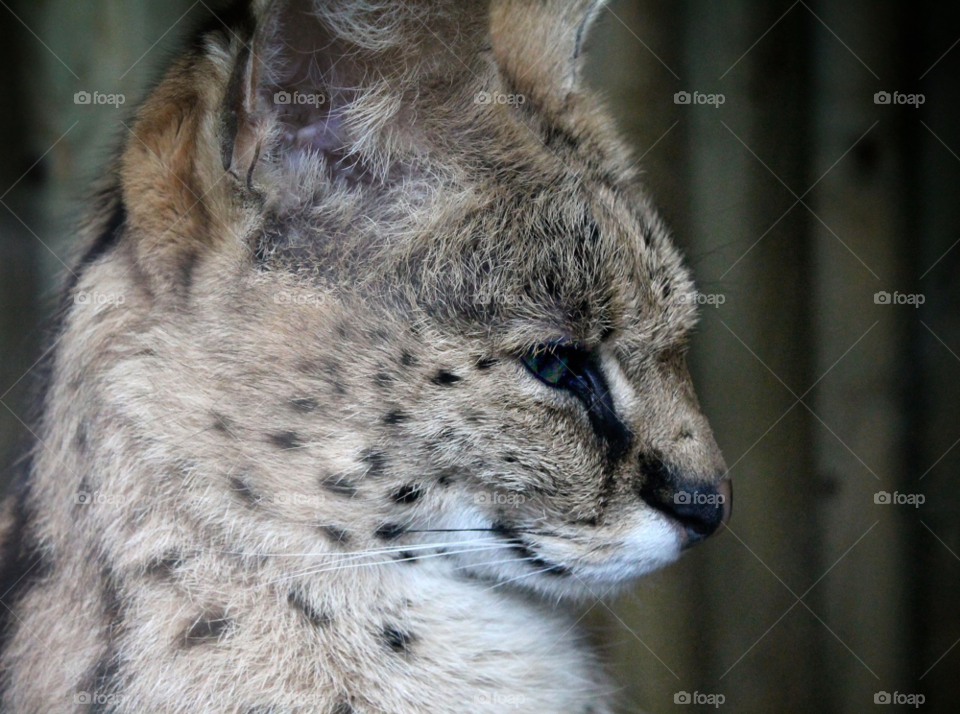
x: 550, y: 365
x: 563, y: 367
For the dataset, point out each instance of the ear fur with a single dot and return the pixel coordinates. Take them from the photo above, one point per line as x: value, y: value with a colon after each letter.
x: 538, y: 45
x: 338, y: 80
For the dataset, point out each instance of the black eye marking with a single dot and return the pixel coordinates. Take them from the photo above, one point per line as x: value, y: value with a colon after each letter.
x: 578, y: 372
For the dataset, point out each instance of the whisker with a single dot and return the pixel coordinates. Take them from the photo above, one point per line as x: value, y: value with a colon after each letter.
x: 374, y: 551
x: 369, y: 565
x: 519, y: 577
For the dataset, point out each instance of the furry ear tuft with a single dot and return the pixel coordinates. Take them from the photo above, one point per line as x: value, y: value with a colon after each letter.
x: 538, y: 45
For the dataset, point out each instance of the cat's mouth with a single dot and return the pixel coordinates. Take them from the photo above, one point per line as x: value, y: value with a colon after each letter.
x: 525, y: 551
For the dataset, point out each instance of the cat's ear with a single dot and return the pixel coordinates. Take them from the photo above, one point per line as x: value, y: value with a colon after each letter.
x: 337, y: 79
x: 538, y: 45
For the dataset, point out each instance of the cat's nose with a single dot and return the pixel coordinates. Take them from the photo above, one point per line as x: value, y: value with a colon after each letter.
x: 700, y: 509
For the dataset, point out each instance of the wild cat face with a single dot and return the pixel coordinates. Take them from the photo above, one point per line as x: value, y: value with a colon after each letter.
x: 415, y: 222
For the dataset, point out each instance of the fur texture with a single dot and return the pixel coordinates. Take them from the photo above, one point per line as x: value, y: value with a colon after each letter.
x: 295, y: 454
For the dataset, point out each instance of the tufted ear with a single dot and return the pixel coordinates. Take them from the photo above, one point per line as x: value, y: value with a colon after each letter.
x: 338, y: 79
x: 538, y: 45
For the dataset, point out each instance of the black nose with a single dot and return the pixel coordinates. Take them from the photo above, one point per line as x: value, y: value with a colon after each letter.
x: 700, y: 508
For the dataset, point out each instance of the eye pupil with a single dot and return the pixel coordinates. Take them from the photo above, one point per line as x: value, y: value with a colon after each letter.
x: 551, y: 367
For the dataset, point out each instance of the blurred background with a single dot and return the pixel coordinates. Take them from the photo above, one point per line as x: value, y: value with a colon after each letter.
x: 807, y: 157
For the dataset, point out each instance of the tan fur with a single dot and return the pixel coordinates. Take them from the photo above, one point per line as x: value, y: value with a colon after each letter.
x: 317, y: 360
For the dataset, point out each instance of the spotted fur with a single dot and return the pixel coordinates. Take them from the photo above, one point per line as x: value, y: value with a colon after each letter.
x: 303, y: 466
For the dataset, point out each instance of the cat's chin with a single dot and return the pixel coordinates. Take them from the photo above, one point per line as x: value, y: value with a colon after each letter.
x: 649, y: 546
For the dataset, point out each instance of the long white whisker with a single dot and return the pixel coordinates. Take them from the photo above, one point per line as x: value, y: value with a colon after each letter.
x: 357, y: 553
x: 519, y: 577
x: 307, y: 573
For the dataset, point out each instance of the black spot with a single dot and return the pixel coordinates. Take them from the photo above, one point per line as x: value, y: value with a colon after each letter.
x: 104, y: 681
x: 397, y: 640
x: 375, y: 461
x: 382, y: 379
x: 447, y: 477
x: 299, y: 603
x: 285, y: 440
x: 407, y: 494
x: 339, y: 486
x: 343, y: 708
x: 484, y: 363
x: 304, y: 404
x: 508, y: 459
x: 222, y: 423
x: 390, y: 531
x: 395, y: 417
x: 408, y: 360
x: 407, y: 557
x: 556, y: 135
x: 446, y: 379
x: 80, y: 438
x: 112, y: 232
x: 337, y: 535
x: 243, y: 490
x: 165, y: 566
x: 186, y: 267
x: 207, y: 629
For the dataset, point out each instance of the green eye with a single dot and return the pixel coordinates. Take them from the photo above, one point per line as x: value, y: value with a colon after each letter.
x: 549, y: 366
